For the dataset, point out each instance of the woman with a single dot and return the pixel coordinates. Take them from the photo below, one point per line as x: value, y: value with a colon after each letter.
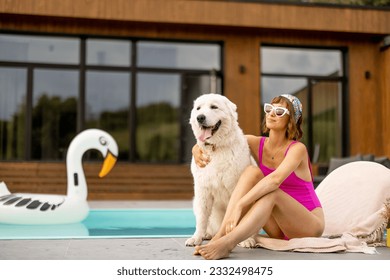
x: 277, y: 196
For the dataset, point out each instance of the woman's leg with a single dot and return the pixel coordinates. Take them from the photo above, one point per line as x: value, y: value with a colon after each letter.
x: 293, y: 219
x: 248, y: 179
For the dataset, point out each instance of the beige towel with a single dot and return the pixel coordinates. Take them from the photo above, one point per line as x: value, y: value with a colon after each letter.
x: 356, y: 199
x: 345, y: 243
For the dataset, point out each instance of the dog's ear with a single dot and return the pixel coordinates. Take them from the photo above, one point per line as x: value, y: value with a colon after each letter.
x: 232, y: 109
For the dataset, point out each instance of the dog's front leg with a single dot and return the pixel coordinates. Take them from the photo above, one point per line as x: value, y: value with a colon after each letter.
x: 202, y: 210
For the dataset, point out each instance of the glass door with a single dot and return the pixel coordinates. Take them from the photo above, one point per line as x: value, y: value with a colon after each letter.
x: 326, y: 119
x: 54, y: 112
x: 13, y: 94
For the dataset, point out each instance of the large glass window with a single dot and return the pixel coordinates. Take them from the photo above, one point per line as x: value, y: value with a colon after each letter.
x: 140, y: 91
x: 39, y: 49
x: 108, y: 52
x: 165, y: 98
x: 54, y: 112
x: 179, y: 55
x: 13, y: 88
x: 158, y: 107
x: 315, y: 76
x: 107, y: 105
x: 326, y: 118
x: 299, y: 61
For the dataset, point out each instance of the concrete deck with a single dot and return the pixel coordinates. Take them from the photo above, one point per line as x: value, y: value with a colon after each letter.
x: 148, y: 249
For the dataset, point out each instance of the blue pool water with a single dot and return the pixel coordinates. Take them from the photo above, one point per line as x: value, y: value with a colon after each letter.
x: 112, y: 223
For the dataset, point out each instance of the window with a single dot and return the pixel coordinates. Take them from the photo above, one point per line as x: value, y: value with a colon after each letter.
x: 139, y: 91
x: 179, y: 55
x: 316, y: 77
x: 39, y: 49
x: 108, y: 52
x: 107, y: 105
x: 158, y: 109
x: 170, y: 76
x: 13, y: 83
x: 54, y: 112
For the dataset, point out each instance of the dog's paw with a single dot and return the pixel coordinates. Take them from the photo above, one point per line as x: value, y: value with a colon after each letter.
x: 248, y: 243
x: 207, y: 236
x: 194, y: 241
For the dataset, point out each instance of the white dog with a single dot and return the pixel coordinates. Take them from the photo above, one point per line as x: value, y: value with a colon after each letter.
x: 214, y: 122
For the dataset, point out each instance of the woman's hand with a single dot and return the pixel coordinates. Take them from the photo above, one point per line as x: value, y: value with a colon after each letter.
x: 200, y: 157
x: 237, y: 212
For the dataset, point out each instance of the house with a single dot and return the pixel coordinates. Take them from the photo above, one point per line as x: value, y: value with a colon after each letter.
x: 133, y: 68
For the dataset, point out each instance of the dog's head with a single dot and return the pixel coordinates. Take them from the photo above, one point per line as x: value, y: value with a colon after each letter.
x: 212, y: 118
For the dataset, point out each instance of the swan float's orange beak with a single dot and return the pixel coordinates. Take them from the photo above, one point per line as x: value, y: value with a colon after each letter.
x: 108, y: 164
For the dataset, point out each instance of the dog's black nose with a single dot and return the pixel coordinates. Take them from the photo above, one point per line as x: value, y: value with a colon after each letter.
x: 201, y: 118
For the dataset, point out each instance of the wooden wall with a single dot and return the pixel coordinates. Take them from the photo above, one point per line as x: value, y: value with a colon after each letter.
x: 125, y: 181
x: 242, y: 83
x: 242, y: 27
x: 364, y: 99
x: 216, y: 13
x: 384, y: 69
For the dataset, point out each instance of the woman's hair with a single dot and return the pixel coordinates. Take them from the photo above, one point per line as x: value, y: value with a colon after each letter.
x: 294, y: 128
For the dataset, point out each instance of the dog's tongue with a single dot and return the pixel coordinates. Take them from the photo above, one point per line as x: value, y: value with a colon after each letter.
x: 206, y: 134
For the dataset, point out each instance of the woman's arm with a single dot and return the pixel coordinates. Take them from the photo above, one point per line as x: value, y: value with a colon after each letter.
x: 295, y: 157
x: 202, y: 158
x: 254, y: 142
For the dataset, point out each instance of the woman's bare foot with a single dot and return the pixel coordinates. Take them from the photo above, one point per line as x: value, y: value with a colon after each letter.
x: 215, y: 250
x: 215, y: 238
x: 196, y: 252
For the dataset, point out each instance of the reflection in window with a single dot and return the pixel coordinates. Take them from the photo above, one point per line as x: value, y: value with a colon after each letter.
x: 326, y: 116
x: 12, y: 113
x: 179, y: 55
x: 301, y: 61
x: 39, y: 49
x: 315, y: 77
x: 54, y: 113
x: 158, y: 128
x: 108, y: 52
x: 107, y: 105
x: 275, y: 86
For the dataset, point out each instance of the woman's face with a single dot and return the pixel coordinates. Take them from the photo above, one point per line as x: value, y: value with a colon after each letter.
x: 273, y: 121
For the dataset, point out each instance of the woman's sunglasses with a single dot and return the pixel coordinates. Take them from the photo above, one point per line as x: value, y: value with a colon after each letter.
x: 279, y: 111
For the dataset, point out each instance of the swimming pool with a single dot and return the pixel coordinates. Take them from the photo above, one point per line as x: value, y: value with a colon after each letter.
x: 112, y: 223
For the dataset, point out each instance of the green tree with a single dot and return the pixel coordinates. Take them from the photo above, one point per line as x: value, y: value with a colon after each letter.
x: 53, y: 126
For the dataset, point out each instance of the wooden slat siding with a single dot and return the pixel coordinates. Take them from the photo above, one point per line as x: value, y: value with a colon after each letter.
x: 211, y: 13
x: 385, y: 101
x: 126, y: 181
x: 243, y: 52
x: 364, y: 96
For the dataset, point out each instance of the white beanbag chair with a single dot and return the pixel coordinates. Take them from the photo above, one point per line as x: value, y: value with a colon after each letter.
x: 356, y: 202
x: 353, y: 198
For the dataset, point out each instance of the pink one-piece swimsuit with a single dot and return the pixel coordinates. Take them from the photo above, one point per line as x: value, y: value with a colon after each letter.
x: 299, y: 189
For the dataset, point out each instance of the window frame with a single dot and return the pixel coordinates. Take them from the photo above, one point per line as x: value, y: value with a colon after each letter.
x: 82, y: 67
x: 342, y: 79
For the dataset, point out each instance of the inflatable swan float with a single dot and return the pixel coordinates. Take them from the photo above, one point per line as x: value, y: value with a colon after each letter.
x: 28, y: 209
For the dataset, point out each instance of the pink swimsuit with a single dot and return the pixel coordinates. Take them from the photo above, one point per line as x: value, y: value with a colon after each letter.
x: 299, y: 189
